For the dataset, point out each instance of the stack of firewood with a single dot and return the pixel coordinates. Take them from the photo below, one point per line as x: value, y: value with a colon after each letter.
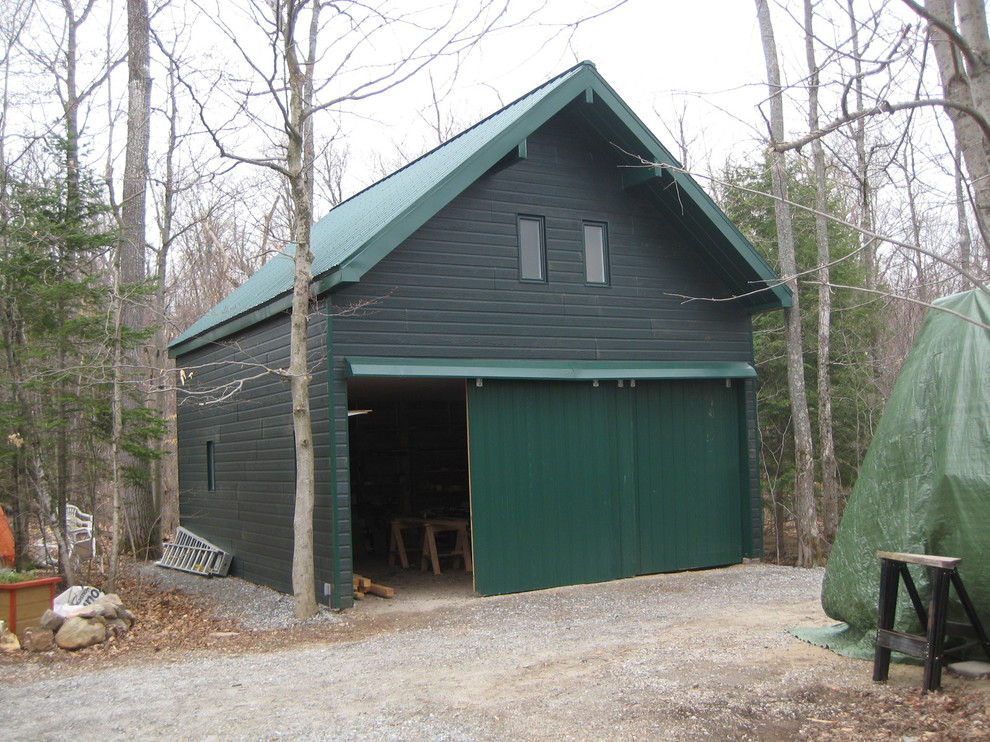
x: 364, y: 585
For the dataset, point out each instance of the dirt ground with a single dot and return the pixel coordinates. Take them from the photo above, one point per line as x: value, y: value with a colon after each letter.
x: 697, y: 655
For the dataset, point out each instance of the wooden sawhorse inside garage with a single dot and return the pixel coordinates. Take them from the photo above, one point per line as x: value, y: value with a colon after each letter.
x: 429, y: 555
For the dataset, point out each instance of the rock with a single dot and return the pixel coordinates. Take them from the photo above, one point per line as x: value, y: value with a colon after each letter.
x: 8, y: 642
x: 78, y: 632
x: 67, y: 611
x: 105, y: 610
x: 38, y: 640
x: 113, y: 599
x: 971, y: 669
x: 51, y: 620
x: 125, y: 615
x: 117, y: 626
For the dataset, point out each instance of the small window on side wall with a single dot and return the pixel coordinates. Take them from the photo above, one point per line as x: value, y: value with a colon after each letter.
x: 211, y: 466
x: 596, y: 253
x: 532, y: 249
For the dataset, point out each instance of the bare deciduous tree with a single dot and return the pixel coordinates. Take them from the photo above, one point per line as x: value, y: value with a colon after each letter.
x: 806, y: 511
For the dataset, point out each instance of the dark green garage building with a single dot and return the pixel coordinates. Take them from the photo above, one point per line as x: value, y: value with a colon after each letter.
x: 504, y: 334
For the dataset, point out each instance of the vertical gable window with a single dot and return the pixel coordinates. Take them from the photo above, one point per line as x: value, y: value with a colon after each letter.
x: 596, y: 253
x: 211, y: 466
x: 532, y: 249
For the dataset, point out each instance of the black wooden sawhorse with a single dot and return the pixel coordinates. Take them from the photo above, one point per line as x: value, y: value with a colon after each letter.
x: 931, y: 646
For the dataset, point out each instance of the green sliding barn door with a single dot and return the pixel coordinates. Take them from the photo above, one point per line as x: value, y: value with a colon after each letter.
x: 543, y: 510
x: 573, y: 483
x: 689, y: 490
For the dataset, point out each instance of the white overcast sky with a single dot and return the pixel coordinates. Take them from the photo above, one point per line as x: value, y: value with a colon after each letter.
x: 661, y: 56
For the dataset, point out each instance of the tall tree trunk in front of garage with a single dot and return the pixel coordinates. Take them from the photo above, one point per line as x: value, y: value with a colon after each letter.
x: 299, y: 172
x: 805, y: 508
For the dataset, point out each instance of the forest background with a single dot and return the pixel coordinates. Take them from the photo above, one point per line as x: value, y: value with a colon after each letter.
x: 153, y: 155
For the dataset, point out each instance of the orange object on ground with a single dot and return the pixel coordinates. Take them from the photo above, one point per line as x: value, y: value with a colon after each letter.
x: 7, y: 555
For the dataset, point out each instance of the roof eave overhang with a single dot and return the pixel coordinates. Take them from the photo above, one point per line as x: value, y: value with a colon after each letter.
x: 544, y: 370
x: 231, y: 326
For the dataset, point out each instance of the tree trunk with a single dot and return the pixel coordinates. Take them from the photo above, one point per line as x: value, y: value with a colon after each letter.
x: 140, y: 513
x: 805, y: 509
x: 863, y: 182
x: 165, y: 469
x: 826, y: 439
x: 966, y: 80
x: 303, y: 568
x: 965, y: 238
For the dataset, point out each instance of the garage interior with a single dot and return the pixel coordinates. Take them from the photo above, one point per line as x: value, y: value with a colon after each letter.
x: 409, y: 458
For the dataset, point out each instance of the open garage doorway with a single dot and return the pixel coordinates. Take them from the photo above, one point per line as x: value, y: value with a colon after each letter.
x: 408, y: 441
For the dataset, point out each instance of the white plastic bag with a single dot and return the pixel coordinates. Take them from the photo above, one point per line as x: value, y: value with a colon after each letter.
x: 76, y: 600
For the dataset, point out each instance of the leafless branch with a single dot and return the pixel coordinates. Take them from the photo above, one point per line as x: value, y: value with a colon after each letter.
x: 884, y: 107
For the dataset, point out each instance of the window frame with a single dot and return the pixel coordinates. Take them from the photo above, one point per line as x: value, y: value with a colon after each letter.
x: 525, y: 259
x: 606, y: 271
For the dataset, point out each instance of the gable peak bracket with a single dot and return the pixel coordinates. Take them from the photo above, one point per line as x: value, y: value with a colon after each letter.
x: 518, y: 153
x: 589, y: 95
x: 635, y: 176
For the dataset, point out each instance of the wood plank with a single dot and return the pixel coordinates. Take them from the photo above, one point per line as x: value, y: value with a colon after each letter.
x: 916, y: 646
x: 927, y: 560
x: 381, y: 590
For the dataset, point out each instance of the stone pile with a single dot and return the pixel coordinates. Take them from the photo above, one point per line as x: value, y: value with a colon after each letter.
x: 87, y: 626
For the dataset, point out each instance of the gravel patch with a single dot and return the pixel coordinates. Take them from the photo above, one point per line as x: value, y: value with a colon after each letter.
x: 696, y: 655
x: 245, y: 605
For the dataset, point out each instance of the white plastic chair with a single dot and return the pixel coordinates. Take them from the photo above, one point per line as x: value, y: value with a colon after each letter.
x: 79, y: 529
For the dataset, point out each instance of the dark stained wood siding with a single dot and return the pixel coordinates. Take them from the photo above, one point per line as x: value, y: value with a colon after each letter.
x: 452, y: 290
x: 250, y: 512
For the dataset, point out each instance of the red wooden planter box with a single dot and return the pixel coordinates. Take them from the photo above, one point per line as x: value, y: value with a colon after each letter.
x: 22, y: 604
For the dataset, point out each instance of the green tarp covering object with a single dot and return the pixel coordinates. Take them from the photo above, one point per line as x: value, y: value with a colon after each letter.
x: 924, y: 486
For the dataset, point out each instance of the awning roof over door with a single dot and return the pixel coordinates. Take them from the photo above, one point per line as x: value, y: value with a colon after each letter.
x: 548, y: 370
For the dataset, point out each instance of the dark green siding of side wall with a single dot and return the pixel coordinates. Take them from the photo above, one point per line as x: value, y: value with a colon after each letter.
x: 250, y: 512
x: 753, y: 507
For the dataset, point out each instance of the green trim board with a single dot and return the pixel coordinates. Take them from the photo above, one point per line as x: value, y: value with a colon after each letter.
x: 341, y: 592
x: 543, y: 370
x: 358, y: 233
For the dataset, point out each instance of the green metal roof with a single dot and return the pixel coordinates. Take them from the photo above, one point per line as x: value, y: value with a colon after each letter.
x: 547, y: 370
x: 359, y: 232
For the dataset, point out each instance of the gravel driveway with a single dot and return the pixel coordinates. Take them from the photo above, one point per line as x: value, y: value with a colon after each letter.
x: 695, y: 655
